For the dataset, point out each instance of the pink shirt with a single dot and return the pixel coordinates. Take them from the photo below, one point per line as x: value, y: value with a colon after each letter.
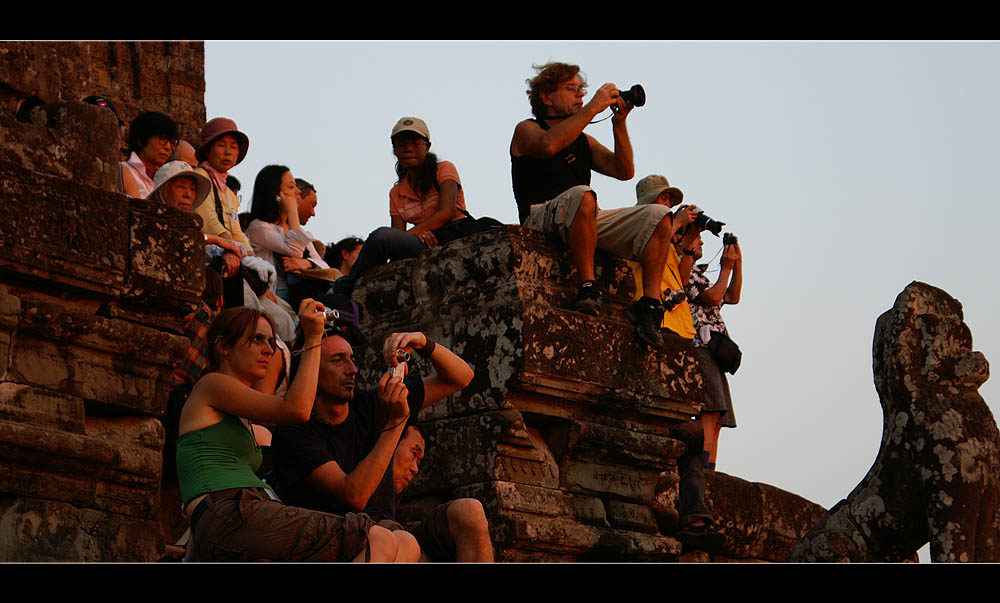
x: 405, y: 203
x: 142, y: 179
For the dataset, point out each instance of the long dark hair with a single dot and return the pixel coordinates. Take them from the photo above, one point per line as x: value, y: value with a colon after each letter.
x: 267, y: 185
x: 228, y: 327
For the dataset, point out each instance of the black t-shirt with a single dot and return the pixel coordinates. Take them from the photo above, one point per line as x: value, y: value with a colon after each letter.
x: 298, y: 450
x: 537, y: 180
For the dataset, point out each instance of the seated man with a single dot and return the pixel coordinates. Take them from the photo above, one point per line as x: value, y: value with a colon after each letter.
x: 706, y: 300
x: 677, y: 314
x: 342, y: 459
x: 454, y: 531
x: 551, y: 164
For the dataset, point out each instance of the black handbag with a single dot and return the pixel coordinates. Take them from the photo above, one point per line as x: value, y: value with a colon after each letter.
x: 464, y: 227
x: 725, y: 352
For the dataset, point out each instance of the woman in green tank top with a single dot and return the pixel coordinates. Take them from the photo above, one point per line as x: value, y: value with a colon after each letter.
x: 233, y: 516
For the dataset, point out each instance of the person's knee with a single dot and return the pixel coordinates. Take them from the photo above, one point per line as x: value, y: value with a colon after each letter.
x: 408, y: 549
x: 380, y: 235
x: 588, y: 206
x: 383, y: 545
x: 664, y: 221
x: 467, y: 516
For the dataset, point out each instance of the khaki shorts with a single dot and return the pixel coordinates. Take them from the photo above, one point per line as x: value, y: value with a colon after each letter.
x: 623, y: 232
x: 245, y: 524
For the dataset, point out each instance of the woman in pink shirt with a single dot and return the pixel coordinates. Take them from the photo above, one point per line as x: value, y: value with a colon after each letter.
x: 426, y: 205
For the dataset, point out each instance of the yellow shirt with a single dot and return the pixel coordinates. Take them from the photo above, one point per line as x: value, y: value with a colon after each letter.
x: 679, y: 319
x: 230, y: 228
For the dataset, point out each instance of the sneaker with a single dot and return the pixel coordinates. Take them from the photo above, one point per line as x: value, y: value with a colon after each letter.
x: 588, y: 301
x: 646, y: 316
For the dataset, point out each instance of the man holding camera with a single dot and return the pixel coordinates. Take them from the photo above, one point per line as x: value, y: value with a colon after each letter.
x: 706, y: 301
x: 341, y: 460
x: 551, y: 164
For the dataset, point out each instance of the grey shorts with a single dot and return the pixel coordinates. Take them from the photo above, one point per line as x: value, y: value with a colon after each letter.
x: 717, y: 390
x: 432, y: 534
x: 245, y: 524
x: 623, y: 232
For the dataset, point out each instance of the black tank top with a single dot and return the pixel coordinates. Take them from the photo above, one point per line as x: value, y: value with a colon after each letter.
x: 538, y: 180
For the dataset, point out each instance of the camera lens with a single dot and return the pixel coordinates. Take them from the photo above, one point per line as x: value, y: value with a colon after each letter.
x: 635, y: 95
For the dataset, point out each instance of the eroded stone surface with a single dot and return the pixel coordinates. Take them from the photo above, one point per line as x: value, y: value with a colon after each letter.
x: 937, y: 475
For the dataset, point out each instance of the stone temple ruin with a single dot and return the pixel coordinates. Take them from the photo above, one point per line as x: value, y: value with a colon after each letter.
x: 562, y: 434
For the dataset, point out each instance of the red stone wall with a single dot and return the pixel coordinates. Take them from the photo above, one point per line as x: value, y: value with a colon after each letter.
x: 136, y: 76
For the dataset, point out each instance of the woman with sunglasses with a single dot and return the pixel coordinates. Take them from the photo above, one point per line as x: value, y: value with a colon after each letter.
x: 233, y: 514
x: 428, y: 194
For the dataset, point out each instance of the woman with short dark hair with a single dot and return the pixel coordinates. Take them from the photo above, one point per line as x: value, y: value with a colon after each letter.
x: 152, y: 137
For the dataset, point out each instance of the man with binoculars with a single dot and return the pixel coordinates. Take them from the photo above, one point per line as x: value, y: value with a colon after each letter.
x: 551, y: 164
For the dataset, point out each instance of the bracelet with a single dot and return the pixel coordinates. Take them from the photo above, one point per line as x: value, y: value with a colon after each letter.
x: 397, y: 424
x: 428, y: 348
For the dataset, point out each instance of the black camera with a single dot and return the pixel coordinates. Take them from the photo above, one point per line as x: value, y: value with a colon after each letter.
x: 672, y: 298
x: 635, y: 95
x: 729, y: 239
x: 703, y: 222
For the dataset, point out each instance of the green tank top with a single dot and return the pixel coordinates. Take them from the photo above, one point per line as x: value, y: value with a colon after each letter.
x: 217, y: 457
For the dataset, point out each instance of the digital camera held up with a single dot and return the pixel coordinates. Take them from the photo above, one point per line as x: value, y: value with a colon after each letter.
x: 729, y: 239
x: 703, y: 222
x: 672, y: 298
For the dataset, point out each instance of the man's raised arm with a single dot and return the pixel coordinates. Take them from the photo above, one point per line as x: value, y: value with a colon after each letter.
x: 451, y: 373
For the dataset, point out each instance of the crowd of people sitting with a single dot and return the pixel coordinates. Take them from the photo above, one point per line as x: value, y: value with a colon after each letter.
x: 271, y: 360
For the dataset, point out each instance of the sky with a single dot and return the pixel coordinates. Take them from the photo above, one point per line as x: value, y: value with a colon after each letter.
x: 847, y: 169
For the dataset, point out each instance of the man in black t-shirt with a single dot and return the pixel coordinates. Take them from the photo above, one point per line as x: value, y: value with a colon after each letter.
x: 342, y: 459
x: 551, y: 163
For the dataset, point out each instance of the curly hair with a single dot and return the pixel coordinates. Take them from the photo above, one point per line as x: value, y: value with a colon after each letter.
x: 550, y: 75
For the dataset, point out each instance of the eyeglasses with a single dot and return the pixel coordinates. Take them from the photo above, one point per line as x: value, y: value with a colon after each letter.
x: 575, y: 88
x: 164, y: 140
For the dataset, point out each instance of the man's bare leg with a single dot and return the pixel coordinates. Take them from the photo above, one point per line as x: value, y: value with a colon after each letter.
x: 470, y: 531
x: 582, y: 238
x: 654, y: 258
x: 710, y: 426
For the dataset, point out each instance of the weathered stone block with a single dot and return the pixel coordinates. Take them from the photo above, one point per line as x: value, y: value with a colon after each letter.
x: 69, y: 139
x: 66, y: 234
x: 495, y: 298
x: 630, y: 516
x: 759, y: 521
x: 47, y: 463
x: 130, y: 484
x: 32, y: 529
x: 490, y: 446
x: 107, y: 361
x: 41, y: 407
x: 598, y: 478
x: 525, y: 537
